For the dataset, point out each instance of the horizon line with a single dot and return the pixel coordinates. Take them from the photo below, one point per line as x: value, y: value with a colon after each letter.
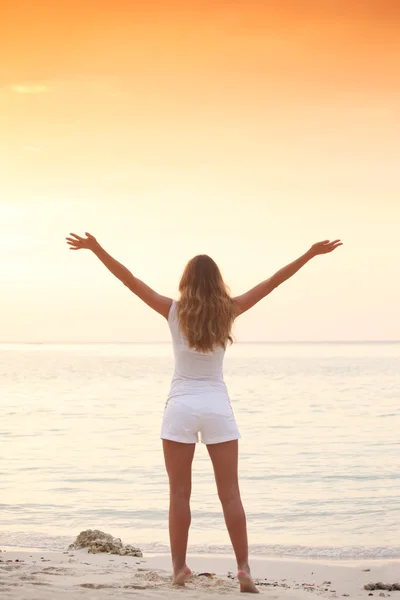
x: 83, y: 343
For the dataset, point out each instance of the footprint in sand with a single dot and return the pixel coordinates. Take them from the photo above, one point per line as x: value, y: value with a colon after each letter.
x: 96, y: 586
x: 57, y: 571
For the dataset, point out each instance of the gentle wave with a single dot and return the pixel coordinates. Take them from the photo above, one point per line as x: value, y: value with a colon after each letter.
x: 32, y: 541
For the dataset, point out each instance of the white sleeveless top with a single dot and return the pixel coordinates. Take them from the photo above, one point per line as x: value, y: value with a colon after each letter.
x: 196, y: 373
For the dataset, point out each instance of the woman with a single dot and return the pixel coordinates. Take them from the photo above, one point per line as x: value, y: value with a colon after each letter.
x: 198, y: 401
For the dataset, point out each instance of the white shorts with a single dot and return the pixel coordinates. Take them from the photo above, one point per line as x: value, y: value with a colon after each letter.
x: 185, y: 417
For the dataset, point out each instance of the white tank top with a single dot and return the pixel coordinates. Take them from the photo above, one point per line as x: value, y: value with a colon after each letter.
x: 196, y: 373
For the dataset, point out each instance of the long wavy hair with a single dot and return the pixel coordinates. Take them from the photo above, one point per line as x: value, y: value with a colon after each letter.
x: 206, y: 310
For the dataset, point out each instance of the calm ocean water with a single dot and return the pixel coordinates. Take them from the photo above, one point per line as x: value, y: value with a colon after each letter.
x: 320, y: 448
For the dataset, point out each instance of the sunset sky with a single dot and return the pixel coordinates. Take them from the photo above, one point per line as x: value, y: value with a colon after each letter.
x: 246, y: 130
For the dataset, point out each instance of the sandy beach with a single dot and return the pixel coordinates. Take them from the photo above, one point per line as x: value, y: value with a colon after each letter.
x: 37, y: 575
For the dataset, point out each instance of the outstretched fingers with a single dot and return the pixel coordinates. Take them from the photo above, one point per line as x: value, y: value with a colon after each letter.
x: 74, y: 244
x: 335, y: 244
x: 328, y: 245
x: 77, y: 242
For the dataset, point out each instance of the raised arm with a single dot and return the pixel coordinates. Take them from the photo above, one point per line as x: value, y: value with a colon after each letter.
x: 257, y: 293
x: 160, y: 304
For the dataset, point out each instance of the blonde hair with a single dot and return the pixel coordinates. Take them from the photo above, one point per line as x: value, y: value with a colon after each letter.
x: 206, y: 310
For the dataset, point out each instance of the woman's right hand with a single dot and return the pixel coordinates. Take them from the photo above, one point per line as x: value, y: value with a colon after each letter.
x: 78, y: 243
x: 324, y: 247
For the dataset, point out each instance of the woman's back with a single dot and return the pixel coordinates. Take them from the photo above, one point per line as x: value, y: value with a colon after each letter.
x: 202, y: 370
x: 198, y: 402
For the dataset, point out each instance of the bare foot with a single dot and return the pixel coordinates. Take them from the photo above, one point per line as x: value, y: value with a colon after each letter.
x: 181, y: 576
x: 246, y: 582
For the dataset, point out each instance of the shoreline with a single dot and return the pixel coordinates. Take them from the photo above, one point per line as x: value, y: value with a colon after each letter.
x: 74, y: 574
x: 221, y: 555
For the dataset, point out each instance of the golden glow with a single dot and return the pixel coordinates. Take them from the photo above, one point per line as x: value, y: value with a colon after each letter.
x: 245, y: 130
x: 29, y: 89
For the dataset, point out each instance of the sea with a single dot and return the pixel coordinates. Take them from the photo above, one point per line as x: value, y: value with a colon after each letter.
x: 319, y: 455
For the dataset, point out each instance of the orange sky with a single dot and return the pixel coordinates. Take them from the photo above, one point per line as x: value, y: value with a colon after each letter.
x: 123, y: 71
x: 348, y: 44
x: 280, y: 112
x: 186, y: 58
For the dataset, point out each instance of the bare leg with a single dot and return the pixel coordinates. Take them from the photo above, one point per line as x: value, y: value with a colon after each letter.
x: 178, y: 462
x: 224, y: 457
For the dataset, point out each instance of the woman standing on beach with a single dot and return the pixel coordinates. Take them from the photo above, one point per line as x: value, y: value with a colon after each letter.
x: 198, y: 401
